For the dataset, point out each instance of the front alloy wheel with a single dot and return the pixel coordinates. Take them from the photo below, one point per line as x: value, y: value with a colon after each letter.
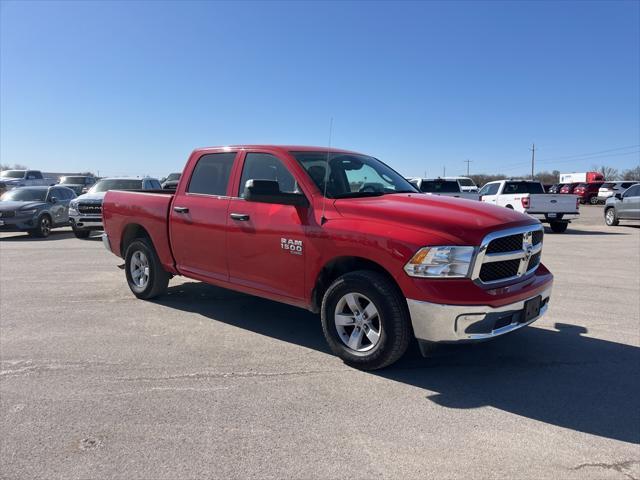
x: 610, y: 217
x: 358, y: 322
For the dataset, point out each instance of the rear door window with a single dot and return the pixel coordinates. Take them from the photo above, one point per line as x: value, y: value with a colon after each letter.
x: 264, y: 166
x: 522, y: 187
x: 633, y: 191
x: 211, y: 174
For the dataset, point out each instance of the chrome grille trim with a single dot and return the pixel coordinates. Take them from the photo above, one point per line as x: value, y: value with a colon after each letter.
x: 528, y: 251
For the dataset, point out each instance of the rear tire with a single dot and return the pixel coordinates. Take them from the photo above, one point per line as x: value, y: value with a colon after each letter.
x: 610, y: 217
x: 558, y: 227
x: 82, y: 234
x: 44, y: 227
x: 593, y: 201
x: 365, y: 320
x: 145, y: 275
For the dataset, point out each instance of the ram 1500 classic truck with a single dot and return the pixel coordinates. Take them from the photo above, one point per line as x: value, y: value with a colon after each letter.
x: 529, y: 197
x: 343, y: 235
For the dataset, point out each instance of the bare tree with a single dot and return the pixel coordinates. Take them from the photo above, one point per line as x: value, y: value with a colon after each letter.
x: 481, y: 178
x: 609, y: 173
x: 15, y: 166
x: 631, y: 174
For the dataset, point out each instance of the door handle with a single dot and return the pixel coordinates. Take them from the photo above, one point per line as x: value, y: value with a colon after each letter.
x: 181, y: 209
x: 242, y: 217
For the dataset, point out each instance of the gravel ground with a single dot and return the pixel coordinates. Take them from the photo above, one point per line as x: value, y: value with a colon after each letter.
x: 207, y: 383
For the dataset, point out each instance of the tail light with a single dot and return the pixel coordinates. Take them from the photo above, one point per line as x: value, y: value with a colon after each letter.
x: 525, y: 202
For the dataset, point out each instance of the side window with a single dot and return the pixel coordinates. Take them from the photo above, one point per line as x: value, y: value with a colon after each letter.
x: 33, y: 175
x: 633, y: 191
x: 264, y: 166
x: 152, y: 184
x: 627, y: 185
x: 490, y: 189
x: 211, y: 175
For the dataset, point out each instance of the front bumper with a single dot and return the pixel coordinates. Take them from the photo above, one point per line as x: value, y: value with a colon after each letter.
x: 18, y: 224
x: 434, y: 322
x: 86, y: 222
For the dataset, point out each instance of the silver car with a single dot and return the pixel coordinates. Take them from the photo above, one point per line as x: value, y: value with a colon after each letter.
x: 623, y: 206
x: 609, y: 189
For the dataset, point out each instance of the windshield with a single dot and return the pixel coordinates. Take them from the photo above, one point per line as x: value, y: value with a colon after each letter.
x: 116, y: 184
x: 12, y: 174
x: 466, y: 182
x: 439, y: 186
x: 72, y: 180
x: 351, y: 175
x: 173, y: 176
x: 26, y: 195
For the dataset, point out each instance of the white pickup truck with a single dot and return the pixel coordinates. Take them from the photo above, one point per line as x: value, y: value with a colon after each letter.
x: 23, y: 178
x: 441, y: 186
x: 529, y: 197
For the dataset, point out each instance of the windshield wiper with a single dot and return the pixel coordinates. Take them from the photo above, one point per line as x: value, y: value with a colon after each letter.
x: 403, y: 191
x: 358, y: 194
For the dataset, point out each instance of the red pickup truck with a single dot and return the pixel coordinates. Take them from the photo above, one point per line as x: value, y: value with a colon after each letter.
x: 343, y: 235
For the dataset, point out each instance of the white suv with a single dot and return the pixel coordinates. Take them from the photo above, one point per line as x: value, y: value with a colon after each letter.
x: 609, y: 189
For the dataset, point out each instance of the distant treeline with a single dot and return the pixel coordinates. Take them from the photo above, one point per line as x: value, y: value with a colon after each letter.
x: 549, y: 178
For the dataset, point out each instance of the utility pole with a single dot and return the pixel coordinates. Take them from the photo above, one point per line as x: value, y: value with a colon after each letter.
x: 467, y: 161
x: 444, y: 171
x: 533, y: 159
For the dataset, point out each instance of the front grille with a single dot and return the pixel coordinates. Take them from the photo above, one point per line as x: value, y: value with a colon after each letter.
x: 491, y: 272
x: 534, y: 261
x: 512, y: 243
x: 7, y: 214
x: 510, y: 256
x: 537, y: 237
x: 90, y: 209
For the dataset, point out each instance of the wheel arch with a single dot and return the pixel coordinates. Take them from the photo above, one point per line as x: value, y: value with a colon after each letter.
x: 130, y: 233
x: 337, y: 267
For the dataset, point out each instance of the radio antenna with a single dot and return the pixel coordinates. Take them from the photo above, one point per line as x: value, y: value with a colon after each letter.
x: 323, y: 219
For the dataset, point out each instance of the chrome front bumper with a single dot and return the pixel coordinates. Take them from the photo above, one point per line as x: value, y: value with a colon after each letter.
x: 86, y: 221
x: 433, y: 322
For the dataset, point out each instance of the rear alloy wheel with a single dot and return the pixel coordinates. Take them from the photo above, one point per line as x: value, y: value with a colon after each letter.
x: 558, y: 227
x: 610, y: 217
x: 145, y: 275
x: 593, y: 200
x: 44, y: 227
x: 365, y: 320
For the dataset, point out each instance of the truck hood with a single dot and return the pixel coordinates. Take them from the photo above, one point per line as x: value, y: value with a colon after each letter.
x: 462, y: 222
x: 92, y: 197
x: 12, y: 205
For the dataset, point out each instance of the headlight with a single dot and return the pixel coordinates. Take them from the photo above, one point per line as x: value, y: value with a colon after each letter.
x: 27, y: 212
x: 73, y: 205
x: 441, y: 262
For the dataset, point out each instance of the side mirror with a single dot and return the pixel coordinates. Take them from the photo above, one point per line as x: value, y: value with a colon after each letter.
x: 268, y: 191
x: 53, y: 200
x: 619, y: 196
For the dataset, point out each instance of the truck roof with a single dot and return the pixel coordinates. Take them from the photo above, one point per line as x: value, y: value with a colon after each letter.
x: 282, y: 148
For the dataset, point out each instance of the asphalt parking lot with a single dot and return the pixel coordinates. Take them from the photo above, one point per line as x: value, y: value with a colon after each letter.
x: 207, y: 383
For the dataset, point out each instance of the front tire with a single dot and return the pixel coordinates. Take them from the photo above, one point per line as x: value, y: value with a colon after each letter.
x: 43, y: 229
x: 365, y: 320
x: 81, y: 234
x: 610, y: 217
x: 558, y: 227
x: 145, y: 275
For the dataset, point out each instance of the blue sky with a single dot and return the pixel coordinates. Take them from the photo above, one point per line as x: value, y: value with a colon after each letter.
x: 133, y: 87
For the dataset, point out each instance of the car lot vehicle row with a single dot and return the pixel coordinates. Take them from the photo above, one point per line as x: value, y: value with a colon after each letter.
x: 443, y: 186
x: 623, y: 206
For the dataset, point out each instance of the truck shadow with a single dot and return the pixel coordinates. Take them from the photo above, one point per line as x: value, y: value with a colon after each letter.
x: 561, y: 377
x: 25, y: 237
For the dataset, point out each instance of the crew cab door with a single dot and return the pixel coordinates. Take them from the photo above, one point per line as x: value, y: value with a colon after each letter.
x: 266, y: 241
x: 489, y: 193
x: 198, y: 217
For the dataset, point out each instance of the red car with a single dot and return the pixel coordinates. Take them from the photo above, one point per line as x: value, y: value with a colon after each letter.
x: 569, y: 187
x: 588, y: 192
x: 341, y: 234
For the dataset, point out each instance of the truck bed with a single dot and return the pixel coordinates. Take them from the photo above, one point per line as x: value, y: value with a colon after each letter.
x: 150, y: 209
